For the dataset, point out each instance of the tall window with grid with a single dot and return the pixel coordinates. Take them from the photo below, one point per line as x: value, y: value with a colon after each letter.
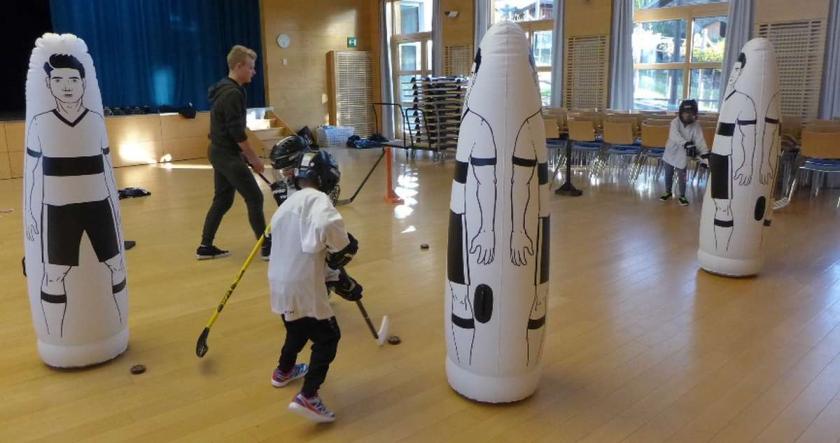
x: 678, y: 48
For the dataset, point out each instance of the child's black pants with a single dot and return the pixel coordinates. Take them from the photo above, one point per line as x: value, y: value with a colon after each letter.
x: 324, y: 335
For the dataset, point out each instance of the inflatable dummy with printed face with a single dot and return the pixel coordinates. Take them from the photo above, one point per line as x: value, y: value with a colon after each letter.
x: 737, y: 206
x: 73, y: 241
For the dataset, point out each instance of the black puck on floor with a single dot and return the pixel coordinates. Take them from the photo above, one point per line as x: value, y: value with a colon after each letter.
x: 424, y: 246
x: 394, y: 340
x: 138, y: 369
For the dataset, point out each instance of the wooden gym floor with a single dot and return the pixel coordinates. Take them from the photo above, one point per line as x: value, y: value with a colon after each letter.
x: 642, y: 346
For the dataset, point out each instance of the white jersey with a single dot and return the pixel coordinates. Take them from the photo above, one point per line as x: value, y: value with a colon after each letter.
x: 303, y: 230
x: 71, y: 156
x: 678, y: 136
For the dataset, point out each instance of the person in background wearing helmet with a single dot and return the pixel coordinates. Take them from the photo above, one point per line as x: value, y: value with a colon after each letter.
x: 310, y: 248
x: 684, y: 140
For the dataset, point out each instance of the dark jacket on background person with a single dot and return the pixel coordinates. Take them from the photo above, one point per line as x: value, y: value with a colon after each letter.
x: 228, y: 103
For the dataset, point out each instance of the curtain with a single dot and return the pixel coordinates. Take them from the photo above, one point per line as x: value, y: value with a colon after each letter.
x: 830, y: 100
x: 739, y: 26
x: 437, y: 38
x: 621, y: 56
x: 386, y: 83
x: 558, y: 42
x: 483, y: 9
x: 155, y: 53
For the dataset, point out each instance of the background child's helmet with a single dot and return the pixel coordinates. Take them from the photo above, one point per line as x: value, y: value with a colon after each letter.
x: 688, y: 111
x: 287, y: 152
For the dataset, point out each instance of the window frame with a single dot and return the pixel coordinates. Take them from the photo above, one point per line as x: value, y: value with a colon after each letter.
x: 689, y: 14
x: 530, y: 27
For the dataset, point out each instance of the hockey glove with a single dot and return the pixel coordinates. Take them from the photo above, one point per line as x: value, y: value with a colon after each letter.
x: 341, y: 258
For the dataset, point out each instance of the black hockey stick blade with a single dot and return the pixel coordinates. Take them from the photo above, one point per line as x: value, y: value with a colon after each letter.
x: 201, y: 345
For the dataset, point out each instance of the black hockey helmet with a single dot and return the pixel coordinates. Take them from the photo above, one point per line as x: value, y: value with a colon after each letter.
x: 287, y: 152
x: 320, y: 168
x: 688, y: 111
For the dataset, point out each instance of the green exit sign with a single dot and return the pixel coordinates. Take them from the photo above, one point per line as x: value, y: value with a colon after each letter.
x: 351, y: 42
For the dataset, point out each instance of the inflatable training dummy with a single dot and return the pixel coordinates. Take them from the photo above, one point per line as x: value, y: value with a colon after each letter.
x: 737, y: 206
x: 497, y: 261
x: 73, y: 241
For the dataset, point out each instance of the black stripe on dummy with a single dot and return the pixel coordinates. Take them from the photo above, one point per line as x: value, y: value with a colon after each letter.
x: 476, y: 161
x: 719, y: 170
x: 483, y: 303
x: 461, y: 171
x: 118, y: 287
x: 455, y: 249
x: 73, y: 166
x: 726, y: 129
x: 542, y: 173
x: 50, y: 298
x: 724, y: 223
x: 544, y: 249
x: 772, y: 121
x: 760, y: 205
x: 768, y: 222
x: 32, y: 153
x: 526, y: 162
x: 747, y: 122
x: 536, y: 323
x: 466, y: 323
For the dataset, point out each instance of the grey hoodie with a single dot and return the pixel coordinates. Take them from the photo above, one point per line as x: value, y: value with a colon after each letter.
x: 227, y: 115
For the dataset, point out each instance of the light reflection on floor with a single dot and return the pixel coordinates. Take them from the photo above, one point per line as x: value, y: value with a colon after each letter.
x: 406, y: 189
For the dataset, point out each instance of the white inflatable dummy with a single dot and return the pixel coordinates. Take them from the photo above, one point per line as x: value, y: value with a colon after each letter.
x: 737, y: 207
x: 73, y: 241
x: 497, y: 264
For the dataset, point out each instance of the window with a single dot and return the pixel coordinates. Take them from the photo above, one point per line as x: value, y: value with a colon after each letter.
x: 523, y: 10
x: 678, y: 50
x: 410, y: 26
x: 536, y: 18
x: 653, y: 4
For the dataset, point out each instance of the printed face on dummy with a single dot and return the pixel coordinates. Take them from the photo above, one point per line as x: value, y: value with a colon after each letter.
x: 66, y: 85
x: 736, y: 74
x: 245, y: 71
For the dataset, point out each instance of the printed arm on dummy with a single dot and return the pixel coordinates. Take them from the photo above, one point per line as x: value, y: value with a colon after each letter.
x: 743, y: 174
x: 483, y: 165
x: 33, y: 161
x: 524, y: 166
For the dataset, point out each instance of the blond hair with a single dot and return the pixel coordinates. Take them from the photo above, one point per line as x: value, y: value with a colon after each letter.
x: 239, y: 54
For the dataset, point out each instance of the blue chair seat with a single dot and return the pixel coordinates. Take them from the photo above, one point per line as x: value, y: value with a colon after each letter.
x: 625, y: 149
x: 822, y: 164
x: 586, y: 146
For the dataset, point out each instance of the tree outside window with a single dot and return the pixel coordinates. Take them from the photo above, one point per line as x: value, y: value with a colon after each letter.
x: 678, y: 48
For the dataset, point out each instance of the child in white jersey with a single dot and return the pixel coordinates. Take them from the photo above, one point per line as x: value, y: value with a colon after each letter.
x: 309, y: 247
x: 685, y: 140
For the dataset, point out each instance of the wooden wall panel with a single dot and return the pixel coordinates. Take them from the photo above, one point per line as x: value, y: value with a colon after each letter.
x: 298, y: 89
x: 769, y: 11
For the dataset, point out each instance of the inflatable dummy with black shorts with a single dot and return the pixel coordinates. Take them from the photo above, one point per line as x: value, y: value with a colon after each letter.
x: 73, y: 240
x: 497, y: 261
x: 737, y: 206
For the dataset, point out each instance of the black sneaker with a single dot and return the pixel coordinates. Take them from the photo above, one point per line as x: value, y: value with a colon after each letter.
x: 666, y: 196
x: 265, y: 253
x: 683, y: 201
x: 208, y: 252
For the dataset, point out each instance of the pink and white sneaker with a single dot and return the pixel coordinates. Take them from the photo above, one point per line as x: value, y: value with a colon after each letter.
x: 312, y: 408
x: 279, y: 379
